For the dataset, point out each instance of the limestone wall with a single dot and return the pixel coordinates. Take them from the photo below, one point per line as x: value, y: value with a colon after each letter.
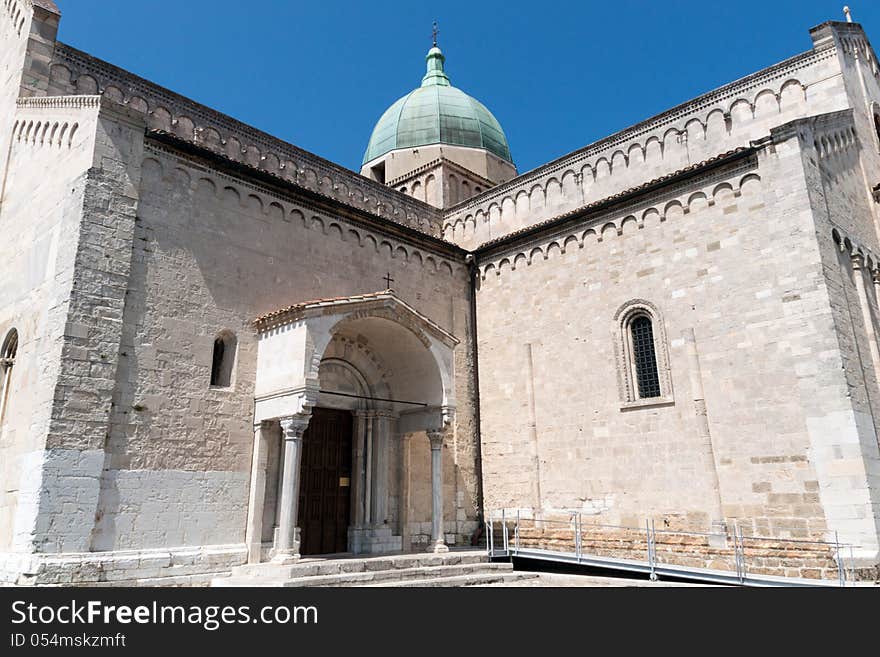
x: 722, y: 120
x: 709, y: 255
x: 52, y: 145
x: 213, y: 251
x: 849, y: 455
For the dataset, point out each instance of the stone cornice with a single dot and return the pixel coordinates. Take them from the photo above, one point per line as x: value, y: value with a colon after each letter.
x: 59, y: 102
x: 368, y: 303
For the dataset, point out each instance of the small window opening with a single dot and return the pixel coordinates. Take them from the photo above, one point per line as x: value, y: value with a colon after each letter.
x: 645, y: 357
x: 222, y: 360
x: 7, y: 360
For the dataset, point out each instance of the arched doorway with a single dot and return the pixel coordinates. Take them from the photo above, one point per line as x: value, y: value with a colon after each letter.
x: 345, y: 378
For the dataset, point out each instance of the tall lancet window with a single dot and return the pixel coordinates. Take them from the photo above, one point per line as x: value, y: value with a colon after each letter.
x: 223, y: 359
x: 7, y: 360
x: 641, y: 356
x: 644, y: 357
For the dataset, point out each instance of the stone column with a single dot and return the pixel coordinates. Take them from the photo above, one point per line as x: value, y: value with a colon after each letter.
x: 381, y: 440
x: 404, y: 490
x: 437, y: 542
x: 368, y: 479
x: 718, y: 537
x: 254, y: 532
x: 292, y: 430
x: 358, y: 474
x: 537, y: 503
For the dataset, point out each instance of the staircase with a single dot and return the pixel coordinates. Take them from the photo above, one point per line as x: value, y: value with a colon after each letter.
x: 455, y: 568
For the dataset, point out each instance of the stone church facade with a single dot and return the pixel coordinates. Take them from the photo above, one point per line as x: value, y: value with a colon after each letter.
x: 218, y: 348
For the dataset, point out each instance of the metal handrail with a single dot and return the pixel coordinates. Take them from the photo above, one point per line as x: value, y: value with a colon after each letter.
x: 649, y: 534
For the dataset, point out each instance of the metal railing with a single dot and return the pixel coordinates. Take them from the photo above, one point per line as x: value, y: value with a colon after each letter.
x: 631, y: 540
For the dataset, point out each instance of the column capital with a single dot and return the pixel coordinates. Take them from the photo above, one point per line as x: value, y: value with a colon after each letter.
x: 295, y: 426
x: 262, y: 424
x: 386, y: 413
x: 436, y: 438
x: 858, y: 261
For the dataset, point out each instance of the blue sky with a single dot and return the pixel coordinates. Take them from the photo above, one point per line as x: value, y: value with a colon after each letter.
x: 557, y: 75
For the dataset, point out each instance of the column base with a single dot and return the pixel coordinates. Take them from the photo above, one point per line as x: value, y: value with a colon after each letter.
x: 254, y: 551
x: 286, y: 556
x: 438, y: 547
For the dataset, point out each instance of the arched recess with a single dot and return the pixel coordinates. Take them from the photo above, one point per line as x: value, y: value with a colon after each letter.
x: 8, y: 352
x: 223, y: 359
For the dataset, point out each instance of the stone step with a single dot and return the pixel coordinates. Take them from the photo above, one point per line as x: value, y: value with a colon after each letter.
x: 480, y: 579
x: 371, y: 576
x: 312, y: 567
x: 315, y: 567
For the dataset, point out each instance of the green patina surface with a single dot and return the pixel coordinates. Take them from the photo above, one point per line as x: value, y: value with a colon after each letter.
x: 437, y: 113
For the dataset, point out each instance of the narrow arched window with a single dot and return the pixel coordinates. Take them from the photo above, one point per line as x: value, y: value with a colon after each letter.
x: 223, y: 359
x: 877, y: 126
x: 644, y: 357
x: 7, y: 360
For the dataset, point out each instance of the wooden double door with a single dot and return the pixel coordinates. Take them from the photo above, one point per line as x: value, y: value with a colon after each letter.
x: 325, y: 482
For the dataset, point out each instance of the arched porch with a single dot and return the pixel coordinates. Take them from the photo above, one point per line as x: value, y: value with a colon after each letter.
x: 374, y: 360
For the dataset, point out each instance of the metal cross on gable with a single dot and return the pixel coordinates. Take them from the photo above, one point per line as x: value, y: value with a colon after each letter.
x: 434, y: 32
x: 388, y: 281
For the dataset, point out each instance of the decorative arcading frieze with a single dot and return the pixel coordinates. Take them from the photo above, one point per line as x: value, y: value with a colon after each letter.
x: 17, y: 12
x: 415, y: 172
x: 722, y: 109
x: 636, y: 216
x: 302, y: 213
x: 59, y: 102
x: 45, y: 133
x: 78, y: 72
x: 854, y: 249
x: 832, y: 142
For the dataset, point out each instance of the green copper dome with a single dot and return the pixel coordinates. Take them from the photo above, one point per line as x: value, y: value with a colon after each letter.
x: 437, y: 113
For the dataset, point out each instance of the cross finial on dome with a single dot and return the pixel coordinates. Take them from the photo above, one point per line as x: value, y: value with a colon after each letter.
x: 434, y: 32
x: 847, y: 14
